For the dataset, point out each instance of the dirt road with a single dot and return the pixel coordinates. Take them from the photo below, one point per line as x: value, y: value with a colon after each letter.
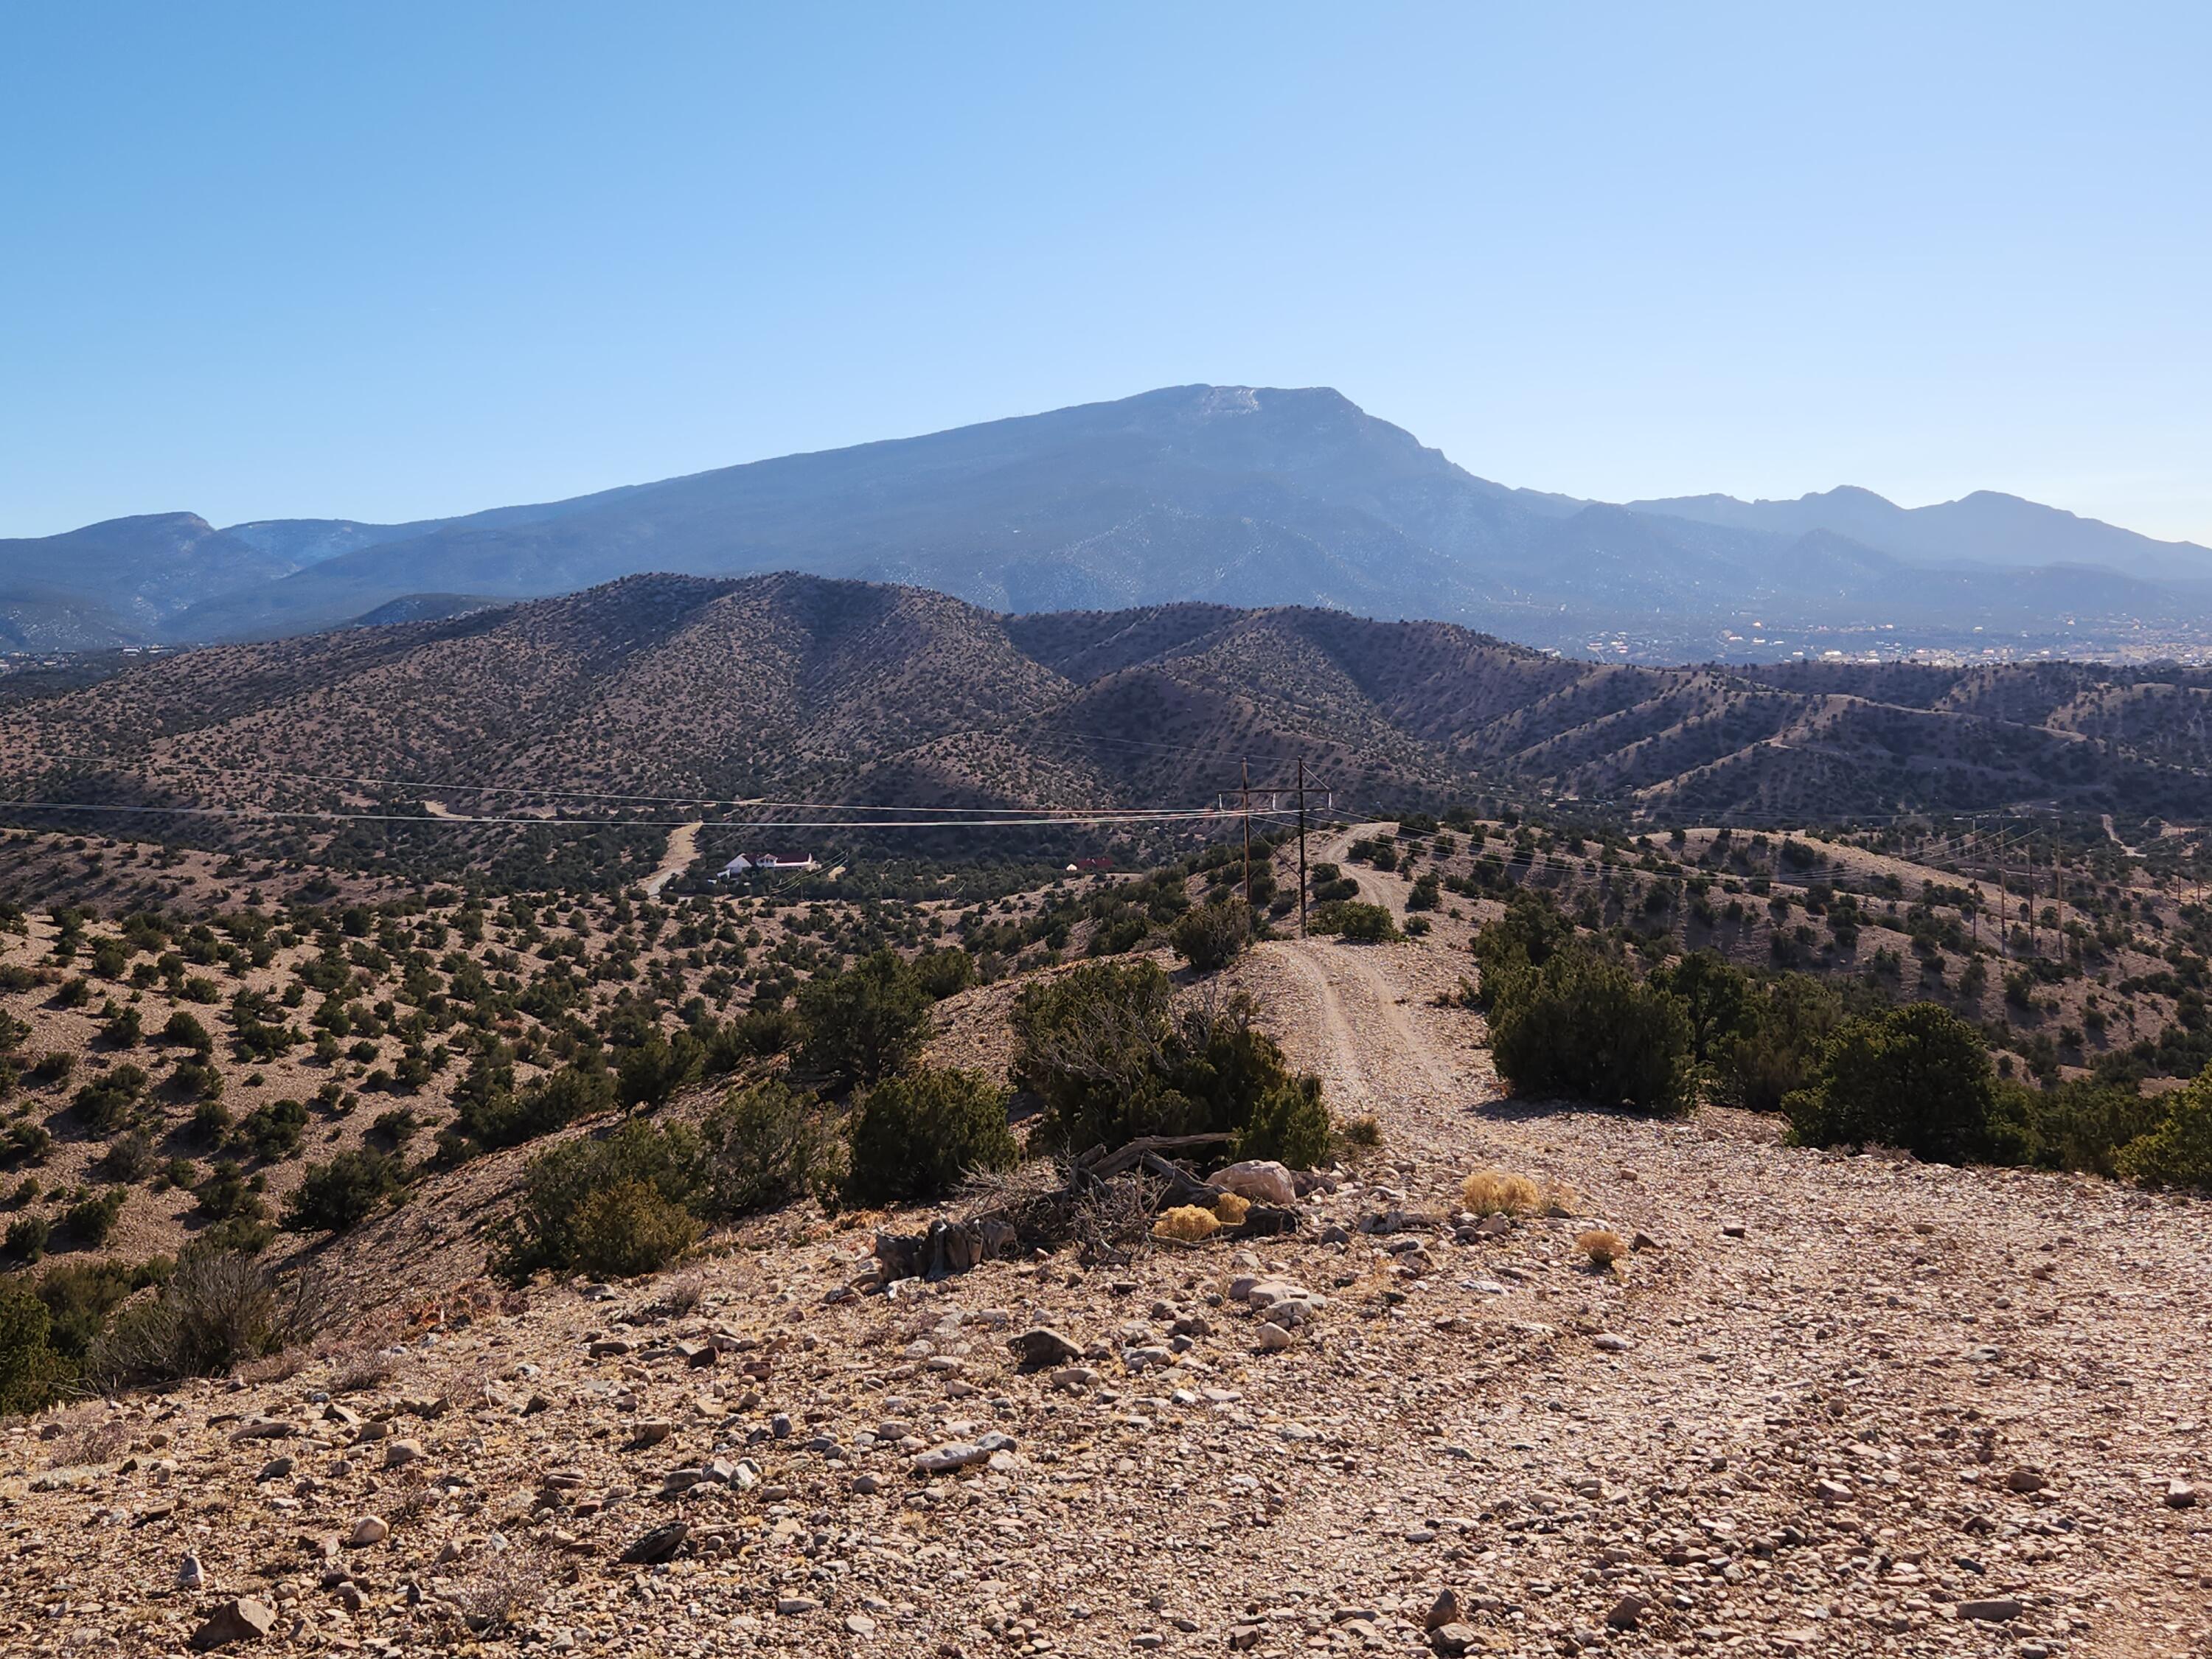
x: 682, y: 849
x: 1997, y: 1374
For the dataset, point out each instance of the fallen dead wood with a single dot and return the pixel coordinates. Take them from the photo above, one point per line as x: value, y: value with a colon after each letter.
x: 1104, y: 1201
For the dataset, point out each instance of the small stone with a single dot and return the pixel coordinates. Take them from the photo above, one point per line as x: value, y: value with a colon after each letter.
x: 1626, y: 1612
x: 1733, y: 1230
x: 1995, y: 1609
x: 1611, y: 1342
x: 402, y: 1452
x: 792, y: 1606
x: 369, y: 1530
x: 956, y: 1454
x: 191, y: 1575
x: 657, y: 1545
x: 1831, y: 1491
x: 1444, y: 1610
x: 1039, y: 1349
x: 860, y: 1624
x: 1273, y: 1338
x: 651, y: 1432
x: 2024, y: 1479
x: 275, y: 1469
x: 246, y: 1620
x: 2180, y: 1495
x: 1454, y: 1638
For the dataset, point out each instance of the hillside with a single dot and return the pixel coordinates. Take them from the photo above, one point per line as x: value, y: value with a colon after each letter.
x: 1829, y: 1404
x: 1234, y: 496
x: 796, y: 688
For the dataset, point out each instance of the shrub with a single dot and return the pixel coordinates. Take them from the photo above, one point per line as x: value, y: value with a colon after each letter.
x: 1231, y: 1209
x: 1212, y: 936
x: 1426, y: 893
x: 27, y: 1237
x: 1526, y: 936
x: 1918, y: 1078
x: 345, y: 1192
x: 946, y: 972
x: 1774, y: 1044
x: 219, y: 1308
x: 553, y: 1228
x: 1716, y: 997
x: 1287, y: 1122
x: 1113, y: 1056
x: 1187, y: 1221
x: 2085, y: 1124
x: 1495, y: 1192
x: 1366, y: 924
x: 186, y: 1029
x: 2178, y: 1151
x: 226, y: 1193
x: 102, y: 1107
x: 864, y: 1023
x: 196, y: 1079
x: 762, y: 1031
x: 129, y: 1157
x: 78, y: 1297
x: 1582, y: 1027
x: 31, y: 1375
x: 918, y: 1134
x: 1603, y: 1246
x: 272, y: 1131
x: 630, y: 1228
x: 91, y: 1220
x: 765, y: 1145
x: 24, y: 1143
x: 1363, y: 1132
x: 509, y: 1117
x: 649, y: 1074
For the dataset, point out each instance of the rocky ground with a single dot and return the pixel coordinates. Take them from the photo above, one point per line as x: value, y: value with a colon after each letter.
x: 1830, y: 1405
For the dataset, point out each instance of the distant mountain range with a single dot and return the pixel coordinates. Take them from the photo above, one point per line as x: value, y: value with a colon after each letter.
x: 807, y: 688
x: 1224, y: 494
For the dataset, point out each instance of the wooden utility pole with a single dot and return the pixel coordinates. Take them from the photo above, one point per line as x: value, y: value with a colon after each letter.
x: 2004, y: 905
x: 1245, y: 786
x: 1302, y: 847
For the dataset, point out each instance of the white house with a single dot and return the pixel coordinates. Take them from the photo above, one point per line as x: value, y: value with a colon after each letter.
x: 768, y: 863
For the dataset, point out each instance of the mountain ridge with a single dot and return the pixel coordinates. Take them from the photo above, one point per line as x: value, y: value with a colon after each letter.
x: 1236, y: 495
x: 794, y: 686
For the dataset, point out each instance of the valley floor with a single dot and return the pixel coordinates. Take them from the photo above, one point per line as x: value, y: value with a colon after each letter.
x: 1837, y: 1405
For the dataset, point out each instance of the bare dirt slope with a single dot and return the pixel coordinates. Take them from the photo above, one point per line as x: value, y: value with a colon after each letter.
x: 1837, y: 1406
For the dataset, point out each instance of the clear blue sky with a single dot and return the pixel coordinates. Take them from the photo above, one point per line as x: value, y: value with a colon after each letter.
x: 397, y: 260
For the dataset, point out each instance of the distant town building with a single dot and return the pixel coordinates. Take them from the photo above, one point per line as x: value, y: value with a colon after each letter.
x: 768, y: 863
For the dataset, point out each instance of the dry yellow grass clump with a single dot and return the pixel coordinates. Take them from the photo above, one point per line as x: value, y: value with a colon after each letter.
x: 1603, y: 1246
x: 1187, y: 1223
x: 1495, y: 1192
x: 1231, y: 1209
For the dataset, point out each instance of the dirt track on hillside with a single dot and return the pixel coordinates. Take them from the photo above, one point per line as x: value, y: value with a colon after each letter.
x: 1877, y: 1322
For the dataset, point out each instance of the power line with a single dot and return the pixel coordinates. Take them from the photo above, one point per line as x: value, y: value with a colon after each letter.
x: 741, y: 803
x: 272, y: 815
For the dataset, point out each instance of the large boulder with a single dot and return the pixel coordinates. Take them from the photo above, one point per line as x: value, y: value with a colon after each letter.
x: 1261, y: 1180
x: 246, y: 1620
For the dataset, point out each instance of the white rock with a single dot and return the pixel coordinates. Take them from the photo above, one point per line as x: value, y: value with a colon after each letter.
x: 1261, y: 1180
